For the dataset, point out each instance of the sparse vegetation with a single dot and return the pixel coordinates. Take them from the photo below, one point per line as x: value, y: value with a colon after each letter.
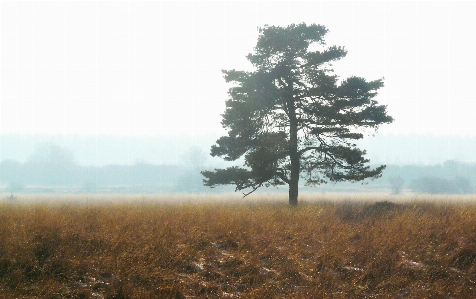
x: 194, y: 248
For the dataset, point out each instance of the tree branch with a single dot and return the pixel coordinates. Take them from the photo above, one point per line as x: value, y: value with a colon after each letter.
x: 282, y: 177
x: 254, y: 189
x: 308, y: 149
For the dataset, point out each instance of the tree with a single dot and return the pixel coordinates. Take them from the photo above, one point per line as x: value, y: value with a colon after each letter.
x: 52, y: 164
x: 292, y: 117
x: 190, y: 181
x: 396, y: 183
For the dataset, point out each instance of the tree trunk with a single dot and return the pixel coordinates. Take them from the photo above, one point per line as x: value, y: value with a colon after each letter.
x: 295, y: 164
x: 293, y: 147
x: 293, y: 192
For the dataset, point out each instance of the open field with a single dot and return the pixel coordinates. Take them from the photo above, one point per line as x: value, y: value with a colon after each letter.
x: 226, y: 247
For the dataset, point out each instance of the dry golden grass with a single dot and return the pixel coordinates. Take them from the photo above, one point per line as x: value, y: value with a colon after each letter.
x: 191, y: 247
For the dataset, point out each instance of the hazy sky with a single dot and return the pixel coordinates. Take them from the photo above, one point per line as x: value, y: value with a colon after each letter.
x: 154, y: 68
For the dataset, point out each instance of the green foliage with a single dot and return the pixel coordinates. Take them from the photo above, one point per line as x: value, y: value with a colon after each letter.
x: 292, y: 116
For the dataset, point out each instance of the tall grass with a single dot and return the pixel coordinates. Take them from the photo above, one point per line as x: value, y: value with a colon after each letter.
x: 191, y: 247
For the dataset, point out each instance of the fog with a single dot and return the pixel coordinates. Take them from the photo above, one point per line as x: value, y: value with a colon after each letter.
x: 121, y: 84
x: 107, y: 149
x: 118, y: 164
x: 104, y: 150
x: 153, y: 68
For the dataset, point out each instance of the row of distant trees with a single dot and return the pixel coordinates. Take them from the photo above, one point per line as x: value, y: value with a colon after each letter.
x: 54, y: 166
x: 433, y: 185
x: 451, y: 177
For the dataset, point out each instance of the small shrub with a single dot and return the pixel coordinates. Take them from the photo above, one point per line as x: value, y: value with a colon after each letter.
x: 381, y: 208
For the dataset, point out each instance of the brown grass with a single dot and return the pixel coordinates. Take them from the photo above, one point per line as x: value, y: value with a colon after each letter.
x: 188, y: 247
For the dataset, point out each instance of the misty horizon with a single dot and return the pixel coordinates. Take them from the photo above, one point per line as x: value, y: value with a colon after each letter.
x: 126, y: 83
x: 101, y: 150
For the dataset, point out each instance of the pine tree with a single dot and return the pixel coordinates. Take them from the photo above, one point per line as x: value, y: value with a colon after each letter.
x: 292, y: 117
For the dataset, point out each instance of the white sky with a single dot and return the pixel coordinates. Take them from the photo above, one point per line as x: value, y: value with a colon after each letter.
x: 154, y: 68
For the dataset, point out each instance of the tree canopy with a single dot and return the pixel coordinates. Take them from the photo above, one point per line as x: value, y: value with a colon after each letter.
x: 293, y: 118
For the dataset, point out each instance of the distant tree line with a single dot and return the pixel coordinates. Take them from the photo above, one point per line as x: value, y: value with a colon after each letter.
x: 451, y: 177
x: 19, y: 176
x: 438, y: 185
x: 54, y: 167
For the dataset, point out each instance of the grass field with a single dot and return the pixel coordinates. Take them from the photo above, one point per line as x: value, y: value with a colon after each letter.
x: 227, y: 247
